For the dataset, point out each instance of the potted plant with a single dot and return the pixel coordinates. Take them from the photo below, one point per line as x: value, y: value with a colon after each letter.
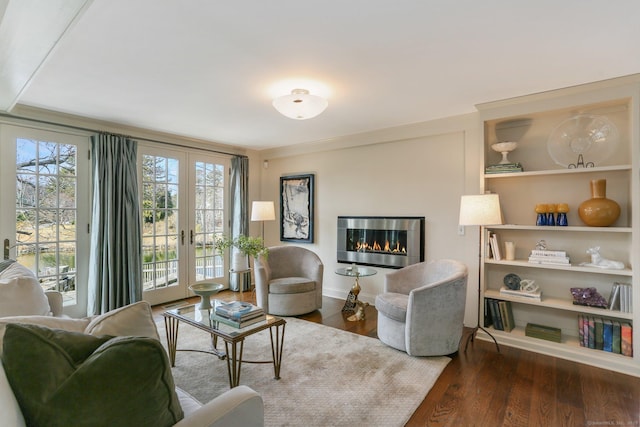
x: 244, y: 247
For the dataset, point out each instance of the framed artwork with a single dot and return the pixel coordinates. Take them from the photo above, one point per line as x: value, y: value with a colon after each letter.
x: 296, y: 208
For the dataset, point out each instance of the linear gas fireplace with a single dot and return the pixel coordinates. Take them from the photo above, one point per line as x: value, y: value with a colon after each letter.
x: 392, y: 242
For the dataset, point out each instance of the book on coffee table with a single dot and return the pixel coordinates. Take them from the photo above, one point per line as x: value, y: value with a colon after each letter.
x: 238, y: 323
x: 238, y: 310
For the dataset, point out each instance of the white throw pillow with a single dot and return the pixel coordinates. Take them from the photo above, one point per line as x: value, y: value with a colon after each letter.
x: 10, y: 413
x: 21, y: 293
x: 132, y: 320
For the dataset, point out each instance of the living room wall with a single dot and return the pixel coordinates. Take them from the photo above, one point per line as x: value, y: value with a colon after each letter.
x: 416, y: 170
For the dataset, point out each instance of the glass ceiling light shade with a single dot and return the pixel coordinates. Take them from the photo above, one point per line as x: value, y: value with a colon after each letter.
x: 300, y: 105
x: 482, y: 209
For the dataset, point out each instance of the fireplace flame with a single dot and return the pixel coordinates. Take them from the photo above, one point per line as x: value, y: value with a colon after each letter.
x: 377, y: 247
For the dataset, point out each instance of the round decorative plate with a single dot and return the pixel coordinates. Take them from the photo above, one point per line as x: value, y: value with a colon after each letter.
x: 583, y: 140
x: 512, y: 281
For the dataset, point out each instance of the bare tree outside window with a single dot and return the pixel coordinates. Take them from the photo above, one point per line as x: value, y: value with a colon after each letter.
x: 46, y: 212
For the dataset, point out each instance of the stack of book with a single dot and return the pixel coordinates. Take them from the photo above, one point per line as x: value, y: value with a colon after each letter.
x: 504, y: 168
x: 620, y: 298
x: 605, y: 334
x: 499, y: 314
x: 237, y: 314
x: 549, y: 257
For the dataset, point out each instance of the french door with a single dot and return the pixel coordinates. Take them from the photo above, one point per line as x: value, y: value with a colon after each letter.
x: 45, y: 208
x: 183, y: 208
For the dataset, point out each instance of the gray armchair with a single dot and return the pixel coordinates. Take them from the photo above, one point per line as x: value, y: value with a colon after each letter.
x: 289, y: 281
x: 422, y: 308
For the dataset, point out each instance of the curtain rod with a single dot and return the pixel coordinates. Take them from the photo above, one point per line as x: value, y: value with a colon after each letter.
x: 175, y: 144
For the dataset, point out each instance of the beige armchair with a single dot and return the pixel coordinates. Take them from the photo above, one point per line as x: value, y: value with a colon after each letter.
x: 422, y: 308
x: 289, y: 281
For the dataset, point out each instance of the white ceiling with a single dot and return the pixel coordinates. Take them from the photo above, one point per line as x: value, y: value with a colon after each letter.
x: 206, y: 69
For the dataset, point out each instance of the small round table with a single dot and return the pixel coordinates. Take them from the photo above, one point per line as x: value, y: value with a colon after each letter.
x: 352, y: 299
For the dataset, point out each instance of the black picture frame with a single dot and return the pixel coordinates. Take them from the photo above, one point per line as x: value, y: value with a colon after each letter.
x: 296, y: 208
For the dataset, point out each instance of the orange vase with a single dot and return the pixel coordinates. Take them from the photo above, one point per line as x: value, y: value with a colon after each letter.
x: 599, y: 211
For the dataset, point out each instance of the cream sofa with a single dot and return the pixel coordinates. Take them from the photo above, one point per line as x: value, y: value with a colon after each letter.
x: 240, y: 406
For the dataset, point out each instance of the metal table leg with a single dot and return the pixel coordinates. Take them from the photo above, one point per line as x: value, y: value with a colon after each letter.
x: 171, y: 326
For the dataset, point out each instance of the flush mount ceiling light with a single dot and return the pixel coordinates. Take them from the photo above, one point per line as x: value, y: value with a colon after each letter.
x: 300, y: 105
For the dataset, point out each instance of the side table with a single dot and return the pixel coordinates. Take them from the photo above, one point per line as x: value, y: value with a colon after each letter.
x: 244, y: 280
x: 352, y: 303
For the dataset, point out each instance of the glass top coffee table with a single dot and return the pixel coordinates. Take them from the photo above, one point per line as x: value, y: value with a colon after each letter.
x: 233, y: 338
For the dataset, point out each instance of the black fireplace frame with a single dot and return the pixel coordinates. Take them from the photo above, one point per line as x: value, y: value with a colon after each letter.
x: 413, y: 225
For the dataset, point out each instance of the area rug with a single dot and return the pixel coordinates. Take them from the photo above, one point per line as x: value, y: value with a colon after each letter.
x: 328, y: 376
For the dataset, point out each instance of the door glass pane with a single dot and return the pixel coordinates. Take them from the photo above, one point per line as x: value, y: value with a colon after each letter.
x: 46, y: 212
x: 209, y: 219
x: 159, y: 222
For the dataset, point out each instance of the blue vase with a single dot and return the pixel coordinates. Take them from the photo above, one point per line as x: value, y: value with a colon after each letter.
x: 542, y: 219
x: 562, y: 219
x: 550, y: 219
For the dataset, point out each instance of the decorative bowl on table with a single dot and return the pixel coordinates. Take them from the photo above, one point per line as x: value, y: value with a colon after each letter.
x: 204, y: 291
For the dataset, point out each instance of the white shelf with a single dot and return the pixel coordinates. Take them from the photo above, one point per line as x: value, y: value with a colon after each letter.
x: 526, y: 264
x: 560, y: 304
x: 569, y: 229
x: 599, y: 169
x: 569, y: 349
x: 530, y: 121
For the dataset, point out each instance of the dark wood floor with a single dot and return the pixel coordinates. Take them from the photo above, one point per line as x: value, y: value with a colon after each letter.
x: 512, y: 388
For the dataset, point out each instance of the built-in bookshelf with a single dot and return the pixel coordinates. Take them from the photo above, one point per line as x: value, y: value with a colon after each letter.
x: 531, y: 121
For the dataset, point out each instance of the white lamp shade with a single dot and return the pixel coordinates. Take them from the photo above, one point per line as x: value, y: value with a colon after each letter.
x: 483, y: 209
x: 262, y: 211
x: 300, y: 105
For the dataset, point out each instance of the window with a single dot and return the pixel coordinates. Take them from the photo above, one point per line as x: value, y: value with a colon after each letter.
x: 50, y: 204
x: 183, y: 209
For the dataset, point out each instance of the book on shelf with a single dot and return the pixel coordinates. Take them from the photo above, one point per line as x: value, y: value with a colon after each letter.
x: 548, y: 253
x: 607, y: 335
x: 237, y: 323
x: 591, y: 337
x: 488, y: 321
x: 626, y: 343
x: 614, y: 297
x: 495, y: 247
x: 495, y: 315
x: 604, y: 334
x: 238, y: 310
x: 537, y: 295
x: 549, y: 260
x: 581, y: 330
x: 620, y: 297
x: 598, y: 333
x: 504, y: 168
x: 506, y: 313
x: 499, y: 314
x: 616, y: 338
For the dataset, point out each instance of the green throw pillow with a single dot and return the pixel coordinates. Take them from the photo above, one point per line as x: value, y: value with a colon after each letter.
x: 63, y: 378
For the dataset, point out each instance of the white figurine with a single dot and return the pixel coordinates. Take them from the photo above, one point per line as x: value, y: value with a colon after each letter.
x: 598, y: 261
